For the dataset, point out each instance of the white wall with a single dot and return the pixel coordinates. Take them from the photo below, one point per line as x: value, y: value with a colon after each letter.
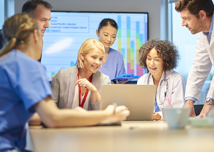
x: 150, y: 6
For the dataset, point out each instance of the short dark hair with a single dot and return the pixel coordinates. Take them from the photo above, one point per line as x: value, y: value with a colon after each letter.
x: 195, y: 6
x: 30, y: 6
x: 106, y: 22
x: 165, y: 49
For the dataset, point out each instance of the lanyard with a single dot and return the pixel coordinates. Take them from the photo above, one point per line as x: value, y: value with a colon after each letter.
x: 86, y: 93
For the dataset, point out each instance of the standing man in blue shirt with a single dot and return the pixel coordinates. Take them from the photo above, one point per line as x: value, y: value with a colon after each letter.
x: 39, y: 10
x: 197, y: 16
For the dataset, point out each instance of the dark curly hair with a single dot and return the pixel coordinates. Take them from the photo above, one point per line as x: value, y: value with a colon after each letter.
x: 165, y: 49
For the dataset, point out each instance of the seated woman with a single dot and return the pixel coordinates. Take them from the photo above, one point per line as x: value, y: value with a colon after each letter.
x: 24, y: 88
x: 160, y: 58
x: 113, y: 64
x: 81, y: 85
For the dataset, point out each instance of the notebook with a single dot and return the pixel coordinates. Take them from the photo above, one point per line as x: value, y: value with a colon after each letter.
x: 139, y: 99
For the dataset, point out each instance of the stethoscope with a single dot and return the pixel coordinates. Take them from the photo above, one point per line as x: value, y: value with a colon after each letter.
x: 163, y: 80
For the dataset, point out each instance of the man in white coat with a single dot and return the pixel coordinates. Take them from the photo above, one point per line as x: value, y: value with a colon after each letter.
x: 197, y: 16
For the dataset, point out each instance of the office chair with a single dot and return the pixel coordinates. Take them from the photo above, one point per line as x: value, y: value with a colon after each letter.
x: 198, y: 109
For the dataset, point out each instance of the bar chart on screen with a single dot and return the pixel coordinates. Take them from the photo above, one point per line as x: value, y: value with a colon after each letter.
x: 68, y: 30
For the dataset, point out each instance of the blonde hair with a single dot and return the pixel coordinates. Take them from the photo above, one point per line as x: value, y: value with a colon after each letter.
x: 87, y: 46
x: 16, y: 31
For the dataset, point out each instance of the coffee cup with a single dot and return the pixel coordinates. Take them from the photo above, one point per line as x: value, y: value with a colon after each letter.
x: 176, y: 118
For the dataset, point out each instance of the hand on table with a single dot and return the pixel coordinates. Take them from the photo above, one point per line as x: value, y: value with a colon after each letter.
x: 206, y: 108
x: 156, y: 116
x: 115, y: 114
x: 189, y: 104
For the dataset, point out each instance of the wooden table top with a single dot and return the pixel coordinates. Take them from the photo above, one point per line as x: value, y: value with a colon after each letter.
x: 130, y: 137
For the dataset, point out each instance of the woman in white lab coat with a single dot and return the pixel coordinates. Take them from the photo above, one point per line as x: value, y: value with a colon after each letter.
x: 160, y: 58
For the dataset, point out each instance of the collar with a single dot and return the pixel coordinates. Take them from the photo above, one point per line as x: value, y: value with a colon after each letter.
x: 211, y: 28
x: 168, y: 72
x: 150, y: 80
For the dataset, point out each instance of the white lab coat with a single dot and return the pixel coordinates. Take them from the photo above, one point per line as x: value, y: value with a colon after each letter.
x: 176, y: 88
x: 202, y: 63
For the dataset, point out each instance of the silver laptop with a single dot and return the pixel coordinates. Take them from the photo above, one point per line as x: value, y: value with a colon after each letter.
x: 139, y: 99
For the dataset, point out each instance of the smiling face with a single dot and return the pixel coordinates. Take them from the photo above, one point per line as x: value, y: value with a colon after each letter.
x: 154, y: 63
x: 107, y: 35
x: 191, y: 22
x: 42, y: 16
x: 93, y: 60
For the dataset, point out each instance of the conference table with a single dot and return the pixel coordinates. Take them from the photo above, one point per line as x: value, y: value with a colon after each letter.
x: 131, y: 136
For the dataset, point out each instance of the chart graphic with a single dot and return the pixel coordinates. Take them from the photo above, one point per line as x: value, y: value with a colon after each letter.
x: 68, y: 30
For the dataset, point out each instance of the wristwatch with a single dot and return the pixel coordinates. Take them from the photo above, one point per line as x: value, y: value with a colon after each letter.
x: 209, y: 101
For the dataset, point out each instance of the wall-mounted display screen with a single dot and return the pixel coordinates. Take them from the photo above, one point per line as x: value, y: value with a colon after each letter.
x: 68, y: 30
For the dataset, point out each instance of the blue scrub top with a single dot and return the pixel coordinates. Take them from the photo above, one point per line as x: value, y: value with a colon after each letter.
x: 23, y: 83
x: 157, y: 109
x: 114, y: 65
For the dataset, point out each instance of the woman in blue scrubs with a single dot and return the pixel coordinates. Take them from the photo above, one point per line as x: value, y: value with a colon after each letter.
x: 113, y: 64
x: 24, y: 88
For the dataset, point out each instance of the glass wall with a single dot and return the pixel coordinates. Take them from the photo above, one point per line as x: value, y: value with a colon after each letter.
x: 10, y: 8
x: 7, y: 9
